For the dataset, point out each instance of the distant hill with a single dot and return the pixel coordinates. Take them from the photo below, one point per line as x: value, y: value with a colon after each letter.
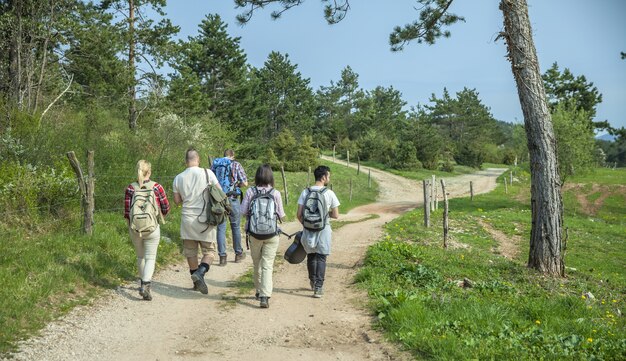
x: 607, y: 137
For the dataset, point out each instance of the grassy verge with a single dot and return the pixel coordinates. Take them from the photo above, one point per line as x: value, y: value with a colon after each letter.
x: 510, y: 312
x: 47, y: 271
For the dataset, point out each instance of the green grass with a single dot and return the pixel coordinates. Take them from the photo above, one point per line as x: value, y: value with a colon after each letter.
x: 47, y: 271
x: 511, y: 312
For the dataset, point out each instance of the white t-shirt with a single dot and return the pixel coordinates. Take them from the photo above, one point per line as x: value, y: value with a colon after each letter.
x: 190, y: 184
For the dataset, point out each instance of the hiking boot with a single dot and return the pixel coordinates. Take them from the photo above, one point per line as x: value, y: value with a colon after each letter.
x: 198, y: 281
x: 265, y: 302
x: 318, y: 293
x: 222, y: 261
x: 256, y: 295
x: 240, y: 257
x: 141, y: 289
x: 147, y: 295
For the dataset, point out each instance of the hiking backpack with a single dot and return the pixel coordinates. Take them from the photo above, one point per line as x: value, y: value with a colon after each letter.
x: 216, y: 205
x: 144, y: 212
x: 262, y: 218
x: 315, y: 210
x: 222, y: 167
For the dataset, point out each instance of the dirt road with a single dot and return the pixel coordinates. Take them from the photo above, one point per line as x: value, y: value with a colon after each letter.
x: 181, y: 324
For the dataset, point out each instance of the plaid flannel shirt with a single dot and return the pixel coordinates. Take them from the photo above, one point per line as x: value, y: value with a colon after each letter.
x: 161, y: 199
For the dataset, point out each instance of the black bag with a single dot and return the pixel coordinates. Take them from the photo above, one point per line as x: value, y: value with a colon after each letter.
x: 295, y: 253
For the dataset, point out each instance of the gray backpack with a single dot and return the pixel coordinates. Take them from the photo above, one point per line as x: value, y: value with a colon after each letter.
x: 144, y: 212
x: 262, y: 218
x: 315, y: 210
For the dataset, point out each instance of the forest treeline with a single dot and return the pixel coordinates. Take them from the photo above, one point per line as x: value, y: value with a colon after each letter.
x: 83, y: 76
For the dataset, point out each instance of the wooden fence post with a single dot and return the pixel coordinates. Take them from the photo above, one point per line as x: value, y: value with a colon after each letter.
x: 369, y: 178
x: 86, y: 186
x: 308, y: 177
x: 506, y: 189
x: 511, y: 177
x: 358, y: 165
x: 426, y: 204
x: 350, y: 189
x: 432, y: 193
x: 334, y: 153
x: 471, y: 191
x: 348, y: 156
x: 282, y: 172
x: 445, y: 214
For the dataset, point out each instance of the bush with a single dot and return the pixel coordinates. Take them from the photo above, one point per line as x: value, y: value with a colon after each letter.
x: 292, y: 154
x: 469, y: 156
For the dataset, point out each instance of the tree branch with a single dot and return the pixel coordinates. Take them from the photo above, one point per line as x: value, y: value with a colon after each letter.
x: 57, y: 98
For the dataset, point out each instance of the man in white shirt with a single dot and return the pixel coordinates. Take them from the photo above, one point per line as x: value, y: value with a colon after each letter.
x: 189, y: 188
x: 317, y: 244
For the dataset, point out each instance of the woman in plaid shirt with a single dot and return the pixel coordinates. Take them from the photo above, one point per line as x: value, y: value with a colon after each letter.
x: 145, y: 245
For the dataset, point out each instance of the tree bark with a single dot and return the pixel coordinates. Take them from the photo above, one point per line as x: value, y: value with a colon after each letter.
x: 546, y: 202
x: 132, y: 108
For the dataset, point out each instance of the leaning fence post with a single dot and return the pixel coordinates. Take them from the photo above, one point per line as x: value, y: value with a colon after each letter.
x: 350, y: 189
x: 445, y: 214
x: 86, y: 187
x: 471, y: 191
x: 282, y: 172
x: 426, y: 204
x: 308, y: 177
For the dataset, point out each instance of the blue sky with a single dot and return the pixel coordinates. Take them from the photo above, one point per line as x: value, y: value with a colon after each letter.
x: 582, y: 35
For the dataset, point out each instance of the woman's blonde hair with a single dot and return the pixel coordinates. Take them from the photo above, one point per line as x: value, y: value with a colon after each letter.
x: 143, y: 168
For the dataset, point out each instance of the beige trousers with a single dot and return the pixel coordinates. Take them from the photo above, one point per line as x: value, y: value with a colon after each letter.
x: 146, y: 250
x: 263, y: 252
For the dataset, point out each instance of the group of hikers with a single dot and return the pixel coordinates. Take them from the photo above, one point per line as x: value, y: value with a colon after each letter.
x: 146, y: 204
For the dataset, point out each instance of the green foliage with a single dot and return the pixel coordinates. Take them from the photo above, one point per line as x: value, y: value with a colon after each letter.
x: 564, y: 88
x: 574, y: 139
x: 470, y: 155
x: 405, y: 157
x: 294, y: 155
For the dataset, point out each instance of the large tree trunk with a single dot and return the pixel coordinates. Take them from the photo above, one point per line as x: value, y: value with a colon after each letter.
x: 547, y: 206
x: 132, y: 109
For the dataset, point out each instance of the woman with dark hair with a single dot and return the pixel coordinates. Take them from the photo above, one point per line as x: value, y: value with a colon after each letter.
x: 263, y: 249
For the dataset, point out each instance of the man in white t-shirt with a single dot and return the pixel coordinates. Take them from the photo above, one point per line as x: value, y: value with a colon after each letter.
x: 189, y: 187
x: 317, y: 244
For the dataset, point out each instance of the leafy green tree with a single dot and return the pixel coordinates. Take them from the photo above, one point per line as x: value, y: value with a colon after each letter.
x: 146, y: 41
x: 564, y: 87
x: 428, y: 141
x: 285, y: 97
x: 575, y: 141
x: 546, y: 233
x: 211, y: 72
x: 92, y: 57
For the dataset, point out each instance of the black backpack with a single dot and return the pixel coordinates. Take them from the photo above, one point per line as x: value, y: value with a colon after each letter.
x: 262, y: 217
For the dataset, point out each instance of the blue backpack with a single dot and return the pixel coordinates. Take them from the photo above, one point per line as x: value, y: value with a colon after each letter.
x: 223, y: 171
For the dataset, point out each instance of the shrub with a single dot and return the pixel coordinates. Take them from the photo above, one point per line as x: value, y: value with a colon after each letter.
x: 469, y: 156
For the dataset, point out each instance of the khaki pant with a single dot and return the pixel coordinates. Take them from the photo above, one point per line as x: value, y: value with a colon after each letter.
x: 146, y: 250
x: 263, y: 252
x: 190, y: 249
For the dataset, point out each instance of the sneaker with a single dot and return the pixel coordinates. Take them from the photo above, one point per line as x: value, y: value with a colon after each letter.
x: 318, y: 293
x: 265, y: 302
x: 147, y: 295
x: 240, y: 257
x: 199, y: 284
x: 223, y: 261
